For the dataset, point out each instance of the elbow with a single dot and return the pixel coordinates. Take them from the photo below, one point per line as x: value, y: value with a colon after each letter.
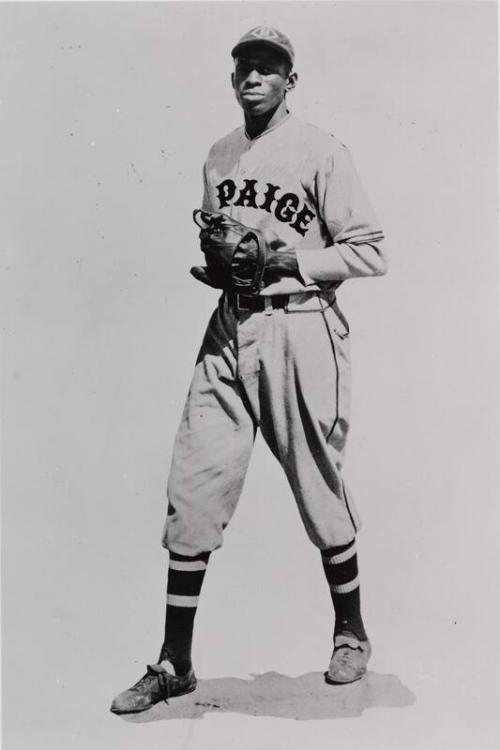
x: 367, y: 259
x: 379, y: 265
x: 382, y: 266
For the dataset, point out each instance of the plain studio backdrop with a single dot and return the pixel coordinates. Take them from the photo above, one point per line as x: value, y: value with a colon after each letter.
x: 106, y: 114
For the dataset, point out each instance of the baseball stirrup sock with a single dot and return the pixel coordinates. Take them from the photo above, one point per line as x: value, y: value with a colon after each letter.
x: 341, y: 569
x: 185, y: 578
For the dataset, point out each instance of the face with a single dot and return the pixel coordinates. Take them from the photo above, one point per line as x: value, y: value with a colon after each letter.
x: 261, y: 80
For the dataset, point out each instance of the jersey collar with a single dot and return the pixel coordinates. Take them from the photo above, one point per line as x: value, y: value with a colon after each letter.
x: 269, y: 130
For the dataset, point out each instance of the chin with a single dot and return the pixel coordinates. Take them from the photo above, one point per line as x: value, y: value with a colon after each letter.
x: 254, y: 108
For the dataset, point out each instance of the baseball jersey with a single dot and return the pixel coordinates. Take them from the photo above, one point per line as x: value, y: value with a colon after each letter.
x: 299, y: 182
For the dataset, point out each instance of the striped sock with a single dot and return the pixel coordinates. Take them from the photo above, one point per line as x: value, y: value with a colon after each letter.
x: 341, y: 569
x: 185, y: 578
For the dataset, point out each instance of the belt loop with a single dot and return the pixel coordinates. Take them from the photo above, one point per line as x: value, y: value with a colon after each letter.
x: 320, y: 300
x: 268, y: 305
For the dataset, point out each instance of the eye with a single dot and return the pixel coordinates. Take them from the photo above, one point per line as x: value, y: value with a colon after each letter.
x: 243, y: 68
x: 263, y: 70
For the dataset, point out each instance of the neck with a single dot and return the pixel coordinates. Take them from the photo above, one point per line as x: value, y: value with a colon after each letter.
x: 257, y: 124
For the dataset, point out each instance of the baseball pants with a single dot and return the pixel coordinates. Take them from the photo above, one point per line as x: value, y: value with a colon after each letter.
x: 287, y: 373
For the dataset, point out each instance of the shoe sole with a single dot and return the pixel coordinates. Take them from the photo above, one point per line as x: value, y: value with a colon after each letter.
x: 146, y: 708
x: 343, y: 682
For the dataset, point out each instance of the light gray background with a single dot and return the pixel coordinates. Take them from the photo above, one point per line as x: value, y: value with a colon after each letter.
x: 106, y: 115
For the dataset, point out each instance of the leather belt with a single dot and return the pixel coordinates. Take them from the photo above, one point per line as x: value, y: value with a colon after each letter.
x: 256, y: 304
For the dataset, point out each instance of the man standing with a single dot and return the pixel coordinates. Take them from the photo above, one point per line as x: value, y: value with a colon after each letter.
x: 277, y: 361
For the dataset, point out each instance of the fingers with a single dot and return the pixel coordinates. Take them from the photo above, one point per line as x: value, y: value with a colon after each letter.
x: 277, y: 245
x: 282, y: 263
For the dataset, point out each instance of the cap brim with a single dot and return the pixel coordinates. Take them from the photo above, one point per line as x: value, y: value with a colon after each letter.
x: 267, y: 43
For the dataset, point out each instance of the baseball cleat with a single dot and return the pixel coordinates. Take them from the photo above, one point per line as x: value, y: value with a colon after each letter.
x: 349, y: 659
x: 155, y: 686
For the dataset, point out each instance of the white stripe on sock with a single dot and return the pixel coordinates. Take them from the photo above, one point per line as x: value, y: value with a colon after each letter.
x: 187, y: 565
x: 345, y: 588
x: 342, y: 557
x: 176, y: 600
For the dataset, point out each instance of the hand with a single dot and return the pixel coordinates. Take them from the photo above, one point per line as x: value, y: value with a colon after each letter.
x: 281, y: 261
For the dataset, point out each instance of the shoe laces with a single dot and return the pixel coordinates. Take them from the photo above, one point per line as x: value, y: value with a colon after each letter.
x: 145, y: 681
x: 345, y: 655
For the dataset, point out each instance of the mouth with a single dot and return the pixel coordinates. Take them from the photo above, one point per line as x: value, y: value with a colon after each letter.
x: 251, y: 95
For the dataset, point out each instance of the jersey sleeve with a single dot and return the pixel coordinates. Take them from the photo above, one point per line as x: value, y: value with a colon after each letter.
x: 350, y: 223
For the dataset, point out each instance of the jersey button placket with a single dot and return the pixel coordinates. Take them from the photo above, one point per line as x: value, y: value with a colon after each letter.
x: 236, y: 178
x: 239, y: 172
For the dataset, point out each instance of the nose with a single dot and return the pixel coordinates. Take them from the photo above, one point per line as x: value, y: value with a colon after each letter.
x: 253, y: 77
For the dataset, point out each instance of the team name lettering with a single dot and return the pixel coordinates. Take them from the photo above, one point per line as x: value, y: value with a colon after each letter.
x: 248, y: 195
x: 286, y: 208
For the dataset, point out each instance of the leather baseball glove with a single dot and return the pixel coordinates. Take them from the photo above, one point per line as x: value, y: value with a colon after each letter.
x: 235, y: 254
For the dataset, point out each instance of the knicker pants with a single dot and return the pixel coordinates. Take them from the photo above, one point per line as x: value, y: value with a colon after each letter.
x: 285, y: 372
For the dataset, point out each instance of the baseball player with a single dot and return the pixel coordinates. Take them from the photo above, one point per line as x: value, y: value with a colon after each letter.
x: 275, y: 358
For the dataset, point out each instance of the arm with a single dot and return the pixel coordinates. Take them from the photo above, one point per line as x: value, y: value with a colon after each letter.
x: 356, y: 247
x: 342, y: 260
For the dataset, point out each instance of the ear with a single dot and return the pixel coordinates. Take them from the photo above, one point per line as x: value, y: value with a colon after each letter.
x: 291, y: 81
x: 232, y: 80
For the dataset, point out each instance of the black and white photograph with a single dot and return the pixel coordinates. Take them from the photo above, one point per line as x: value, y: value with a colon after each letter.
x: 250, y: 384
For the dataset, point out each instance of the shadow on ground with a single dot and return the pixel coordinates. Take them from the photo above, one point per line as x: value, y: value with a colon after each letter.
x: 274, y: 694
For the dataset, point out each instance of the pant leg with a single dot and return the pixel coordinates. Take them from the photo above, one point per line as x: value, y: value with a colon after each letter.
x: 304, y: 416
x: 212, y: 447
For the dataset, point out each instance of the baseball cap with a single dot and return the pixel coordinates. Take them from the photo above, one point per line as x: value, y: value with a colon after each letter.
x: 269, y: 36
